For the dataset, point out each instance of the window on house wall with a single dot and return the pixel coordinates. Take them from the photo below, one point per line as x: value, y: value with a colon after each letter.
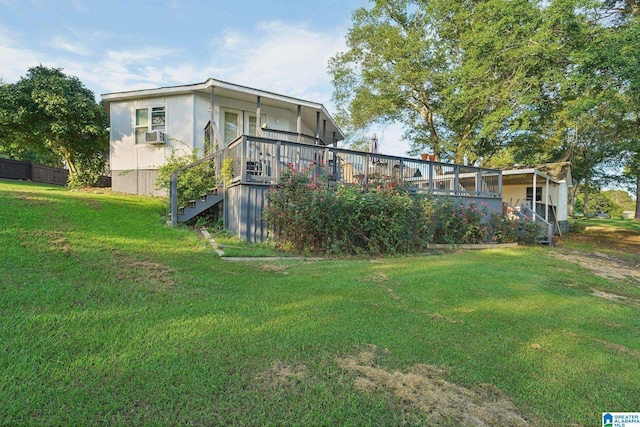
x: 149, y: 119
x: 252, y: 125
x: 530, y: 194
x: 230, y: 127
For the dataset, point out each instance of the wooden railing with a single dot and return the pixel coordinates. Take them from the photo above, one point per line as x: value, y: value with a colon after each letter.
x: 261, y: 160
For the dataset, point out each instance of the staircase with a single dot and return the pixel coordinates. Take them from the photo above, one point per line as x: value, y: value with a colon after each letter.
x: 195, y: 207
x: 545, y: 238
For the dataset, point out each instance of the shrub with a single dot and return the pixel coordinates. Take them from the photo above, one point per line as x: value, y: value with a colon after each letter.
x: 192, y: 182
x: 460, y: 223
x: 311, y: 215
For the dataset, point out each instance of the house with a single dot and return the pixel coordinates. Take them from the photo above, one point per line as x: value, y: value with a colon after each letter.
x: 546, y: 185
x: 148, y: 125
x: 256, y: 136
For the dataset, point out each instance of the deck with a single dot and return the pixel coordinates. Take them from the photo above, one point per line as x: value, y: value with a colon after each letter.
x: 261, y: 161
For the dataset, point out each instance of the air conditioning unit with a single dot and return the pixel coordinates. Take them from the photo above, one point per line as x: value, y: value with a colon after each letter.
x: 154, y: 137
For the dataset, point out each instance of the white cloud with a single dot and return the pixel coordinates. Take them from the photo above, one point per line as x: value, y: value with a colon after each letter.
x: 16, y: 60
x: 279, y: 57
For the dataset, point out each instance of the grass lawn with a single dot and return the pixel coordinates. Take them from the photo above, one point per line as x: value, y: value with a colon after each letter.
x: 107, y: 316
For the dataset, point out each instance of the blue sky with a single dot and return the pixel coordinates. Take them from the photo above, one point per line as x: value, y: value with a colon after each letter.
x: 112, y: 46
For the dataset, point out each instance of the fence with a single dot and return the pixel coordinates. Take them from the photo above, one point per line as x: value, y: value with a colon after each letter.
x: 25, y: 171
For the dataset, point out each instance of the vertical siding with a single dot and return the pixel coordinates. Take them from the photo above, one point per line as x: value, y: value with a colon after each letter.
x: 243, y: 207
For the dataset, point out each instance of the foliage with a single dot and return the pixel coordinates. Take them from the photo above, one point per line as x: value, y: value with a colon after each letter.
x: 227, y: 171
x: 53, y: 117
x: 306, y: 214
x: 463, y: 77
x: 458, y: 222
x: 600, y: 202
x: 192, y: 182
x: 504, y: 229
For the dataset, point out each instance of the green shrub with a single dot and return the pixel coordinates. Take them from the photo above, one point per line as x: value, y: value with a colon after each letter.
x: 192, y: 182
x: 308, y: 214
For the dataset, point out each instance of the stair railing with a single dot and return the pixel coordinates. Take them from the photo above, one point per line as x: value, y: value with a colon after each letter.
x: 173, y: 185
x: 533, y: 215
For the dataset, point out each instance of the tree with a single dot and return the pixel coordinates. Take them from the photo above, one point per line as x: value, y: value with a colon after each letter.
x: 49, y: 114
x: 464, y: 77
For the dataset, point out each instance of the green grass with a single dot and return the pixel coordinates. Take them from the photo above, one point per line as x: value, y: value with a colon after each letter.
x: 107, y: 316
x: 626, y: 224
x: 234, y: 247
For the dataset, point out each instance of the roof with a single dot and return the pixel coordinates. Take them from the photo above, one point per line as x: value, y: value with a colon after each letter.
x: 555, y: 172
x: 235, y: 91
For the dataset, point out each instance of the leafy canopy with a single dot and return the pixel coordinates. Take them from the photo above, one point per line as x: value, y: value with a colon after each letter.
x: 54, y: 117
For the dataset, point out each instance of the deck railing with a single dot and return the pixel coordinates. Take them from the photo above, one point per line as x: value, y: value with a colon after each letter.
x: 261, y: 160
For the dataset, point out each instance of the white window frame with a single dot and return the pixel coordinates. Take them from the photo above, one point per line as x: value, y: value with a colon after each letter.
x: 149, y: 127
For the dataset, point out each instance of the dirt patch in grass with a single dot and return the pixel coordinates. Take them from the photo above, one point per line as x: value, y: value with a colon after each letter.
x: 54, y: 240
x: 275, y: 268
x: 609, y: 237
x: 281, y: 374
x: 381, y: 280
x: 92, y: 204
x: 32, y: 199
x: 154, y: 277
x: 422, y: 388
x: 603, y: 265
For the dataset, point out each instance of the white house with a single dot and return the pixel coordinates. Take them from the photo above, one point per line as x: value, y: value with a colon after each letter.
x: 148, y: 125
x: 547, y: 184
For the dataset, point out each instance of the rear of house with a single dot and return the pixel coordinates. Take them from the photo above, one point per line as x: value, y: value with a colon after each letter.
x: 148, y: 125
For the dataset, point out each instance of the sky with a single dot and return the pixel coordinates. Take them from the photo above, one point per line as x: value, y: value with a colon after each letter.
x: 112, y: 46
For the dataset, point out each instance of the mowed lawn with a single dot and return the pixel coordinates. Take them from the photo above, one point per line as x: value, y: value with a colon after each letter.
x: 108, y: 316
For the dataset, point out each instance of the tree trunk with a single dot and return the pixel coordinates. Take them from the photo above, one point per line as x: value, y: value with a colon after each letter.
x: 637, y: 215
x: 586, y: 197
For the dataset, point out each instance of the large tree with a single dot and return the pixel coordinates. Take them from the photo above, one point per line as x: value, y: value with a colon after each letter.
x: 53, y: 115
x: 463, y: 77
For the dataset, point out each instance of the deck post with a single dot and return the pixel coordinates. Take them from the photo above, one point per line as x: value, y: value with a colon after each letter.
x: 299, y: 123
x: 365, y: 181
x: 456, y: 180
x: 431, y: 186
x: 243, y: 160
x: 277, y: 168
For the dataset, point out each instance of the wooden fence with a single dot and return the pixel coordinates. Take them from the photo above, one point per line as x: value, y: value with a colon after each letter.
x: 25, y: 171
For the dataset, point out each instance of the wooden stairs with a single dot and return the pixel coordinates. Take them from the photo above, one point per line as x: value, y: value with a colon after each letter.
x: 195, y: 207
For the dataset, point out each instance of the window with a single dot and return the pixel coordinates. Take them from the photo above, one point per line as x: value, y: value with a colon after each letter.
x: 230, y: 127
x: 252, y: 125
x: 530, y: 194
x: 148, y: 119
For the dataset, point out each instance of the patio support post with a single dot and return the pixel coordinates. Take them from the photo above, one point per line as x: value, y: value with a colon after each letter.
x: 299, y: 123
x: 533, y: 201
x: 317, y: 127
x: 401, y: 171
x: 546, y: 202
x: 258, y: 124
x: 335, y: 142
x: 324, y: 132
x: 500, y: 183
x: 479, y: 182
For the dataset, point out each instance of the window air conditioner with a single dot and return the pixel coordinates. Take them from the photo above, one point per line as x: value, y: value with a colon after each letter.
x: 154, y: 137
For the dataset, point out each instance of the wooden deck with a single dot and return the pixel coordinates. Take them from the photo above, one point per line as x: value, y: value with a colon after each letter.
x: 261, y: 161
